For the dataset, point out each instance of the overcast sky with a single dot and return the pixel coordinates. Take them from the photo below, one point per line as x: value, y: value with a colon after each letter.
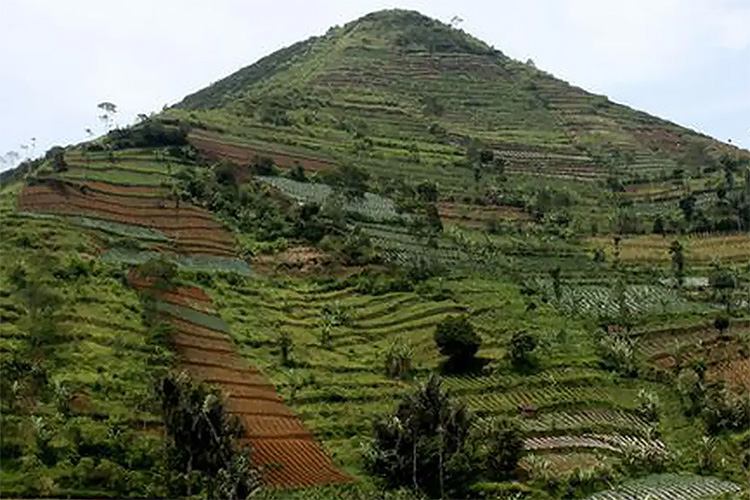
x: 684, y: 60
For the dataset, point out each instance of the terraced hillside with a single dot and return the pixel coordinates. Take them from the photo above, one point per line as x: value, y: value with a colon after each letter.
x: 140, y: 220
x: 283, y: 448
x: 414, y: 91
x: 327, y: 229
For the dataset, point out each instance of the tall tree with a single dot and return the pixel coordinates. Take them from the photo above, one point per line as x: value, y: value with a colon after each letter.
x: 109, y: 110
x: 678, y: 261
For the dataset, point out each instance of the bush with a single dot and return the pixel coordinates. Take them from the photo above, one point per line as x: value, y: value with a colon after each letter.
x: 398, y: 360
x: 648, y: 406
x: 161, y: 270
x: 522, y: 344
x: 618, y: 354
x: 504, y: 448
x: 455, y: 337
x: 424, y: 444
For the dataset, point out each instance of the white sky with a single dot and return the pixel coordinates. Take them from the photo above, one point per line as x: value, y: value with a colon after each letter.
x: 684, y: 60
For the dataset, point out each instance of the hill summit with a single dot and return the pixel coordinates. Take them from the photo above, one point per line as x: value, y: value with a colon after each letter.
x: 420, y: 89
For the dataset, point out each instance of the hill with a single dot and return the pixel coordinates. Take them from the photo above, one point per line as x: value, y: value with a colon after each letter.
x: 298, y: 236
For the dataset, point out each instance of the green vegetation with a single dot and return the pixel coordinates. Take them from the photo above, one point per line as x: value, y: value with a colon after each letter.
x: 501, y: 285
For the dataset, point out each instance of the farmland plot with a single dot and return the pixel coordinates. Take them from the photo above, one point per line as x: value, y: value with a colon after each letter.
x: 669, y: 487
x: 372, y: 206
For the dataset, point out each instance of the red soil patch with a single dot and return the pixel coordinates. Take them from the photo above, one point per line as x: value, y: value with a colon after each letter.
x: 212, y: 146
x: 478, y: 216
x: 286, y: 452
x: 736, y: 373
x: 194, y: 229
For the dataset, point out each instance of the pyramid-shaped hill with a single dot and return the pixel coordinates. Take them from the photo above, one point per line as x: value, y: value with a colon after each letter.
x: 404, y: 95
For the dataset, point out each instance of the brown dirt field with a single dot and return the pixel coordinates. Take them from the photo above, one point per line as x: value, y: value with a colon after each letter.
x: 213, y: 147
x: 262, y: 426
x: 736, y: 373
x: 295, y: 260
x: 181, y: 341
x: 117, y: 199
x: 291, y: 462
x: 195, y: 330
x: 478, y: 216
x: 134, y: 191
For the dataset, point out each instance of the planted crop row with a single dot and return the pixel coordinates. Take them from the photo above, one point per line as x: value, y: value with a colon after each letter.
x: 370, y: 205
x: 571, y: 420
x: 209, y: 263
x: 611, y: 442
x: 669, y: 487
x: 513, y: 400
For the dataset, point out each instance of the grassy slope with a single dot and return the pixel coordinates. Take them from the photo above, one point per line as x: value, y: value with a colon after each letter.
x: 99, y: 369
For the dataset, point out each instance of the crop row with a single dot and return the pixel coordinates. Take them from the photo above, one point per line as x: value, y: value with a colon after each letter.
x: 592, y: 299
x: 139, y: 232
x: 207, y: 263
x: 612, y: 442
x: 669, y: 487
x: 513, y: 400
x: 370, y: 205
x: 571, y: 420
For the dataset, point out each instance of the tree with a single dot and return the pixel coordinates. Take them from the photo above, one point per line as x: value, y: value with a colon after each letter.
x: 724, y: 283
x: 109, y: 109
x: 522, y: 344
x: 678, y: 261
x: 285, y: 347
x: 687, y: 205
x: 425, y: 444
x: 504, y: 448
x: 351, y: 180
x: 455, y: 337
x: 200, y: 441
x: 556, y: 282
x: 58, y: 161
x: 659, y: 226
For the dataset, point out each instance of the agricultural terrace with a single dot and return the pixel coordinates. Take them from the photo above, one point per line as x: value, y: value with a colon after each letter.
x: 336, y: 380
x: 284, y: 450
x: 702, y: 249
x: 69, y: 319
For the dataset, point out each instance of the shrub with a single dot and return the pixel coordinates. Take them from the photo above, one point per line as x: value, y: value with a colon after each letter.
x: 721, y: 323
x: 724, y: 410
x: 618, y: 354
x: 398, y: 360
x: 522, y: 344
x: 424, y: 444
x: 504, y: 448
x: 648, y: 406
x: 161, y: 269
x: 455, y: 337
x: 263, y: 165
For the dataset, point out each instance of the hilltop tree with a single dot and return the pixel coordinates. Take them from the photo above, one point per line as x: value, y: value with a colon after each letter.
x: 109, y: 110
